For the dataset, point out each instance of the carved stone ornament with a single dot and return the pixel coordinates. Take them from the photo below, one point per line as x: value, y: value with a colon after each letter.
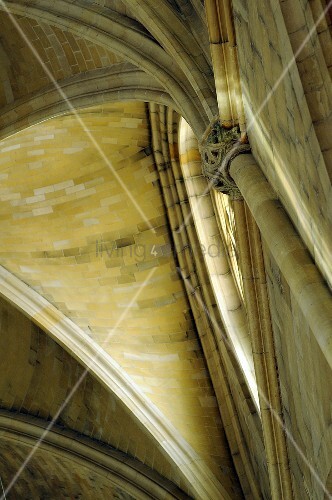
x: 219, y: 147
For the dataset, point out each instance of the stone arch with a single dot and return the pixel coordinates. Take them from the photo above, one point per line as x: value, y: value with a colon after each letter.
x: 123, y: 37
x: 118, y: 83
x: 195, y: 473
x: 109, y: 468
x: 181, y: 46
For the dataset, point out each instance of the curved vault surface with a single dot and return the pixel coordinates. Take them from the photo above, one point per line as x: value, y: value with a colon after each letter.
x: 47, y: 474
x: 36, y: 375
x: 63, y: 53
x: 72, y: 233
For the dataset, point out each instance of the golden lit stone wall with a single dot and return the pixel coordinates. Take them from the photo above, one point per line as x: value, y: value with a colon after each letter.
x: 310, y: 36
x: 288, y: 108
x: 72, y: 233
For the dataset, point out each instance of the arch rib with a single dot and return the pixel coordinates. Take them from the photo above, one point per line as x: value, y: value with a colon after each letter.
x: 122, y: 37
x: 121, y: 82
x: 194, y: 472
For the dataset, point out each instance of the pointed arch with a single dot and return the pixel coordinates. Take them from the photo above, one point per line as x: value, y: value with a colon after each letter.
x: 194, y: 472
x: 121, y: 82
x: 122, y: 36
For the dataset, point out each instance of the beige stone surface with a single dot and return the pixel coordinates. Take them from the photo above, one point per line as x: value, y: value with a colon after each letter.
x: 280, y: 127
x: 305, y: 389
x: 40, y: 380
x: 89, y: 251
x: 83, y: 228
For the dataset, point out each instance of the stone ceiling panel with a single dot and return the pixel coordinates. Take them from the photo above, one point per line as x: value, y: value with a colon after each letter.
x: 72, y: 233
x: 63, y: 54
x: 46, y: 474
x: 36, y: 377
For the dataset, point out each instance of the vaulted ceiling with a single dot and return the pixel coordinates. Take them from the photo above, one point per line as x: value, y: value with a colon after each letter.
x: 84, y: 227
x: 69, y: 33
x: 105, y: 351
x: 37, y: 376
x: 73, y: 234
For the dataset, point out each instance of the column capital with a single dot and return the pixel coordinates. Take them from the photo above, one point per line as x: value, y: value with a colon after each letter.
x: 219, y: 146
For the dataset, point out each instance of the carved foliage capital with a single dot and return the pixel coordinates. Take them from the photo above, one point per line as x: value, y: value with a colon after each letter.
x: 219, y: 147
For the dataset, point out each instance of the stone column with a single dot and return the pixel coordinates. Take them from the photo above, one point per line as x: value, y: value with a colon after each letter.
x: 224, y: 57
x: 220, y: 148
x: 290, y: 253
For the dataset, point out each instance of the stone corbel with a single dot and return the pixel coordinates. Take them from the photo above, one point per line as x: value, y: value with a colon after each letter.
x: 219, y: 146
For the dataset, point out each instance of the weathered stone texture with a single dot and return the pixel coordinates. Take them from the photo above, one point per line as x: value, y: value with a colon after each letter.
x: 305, y: 389
x: 280, y: 128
